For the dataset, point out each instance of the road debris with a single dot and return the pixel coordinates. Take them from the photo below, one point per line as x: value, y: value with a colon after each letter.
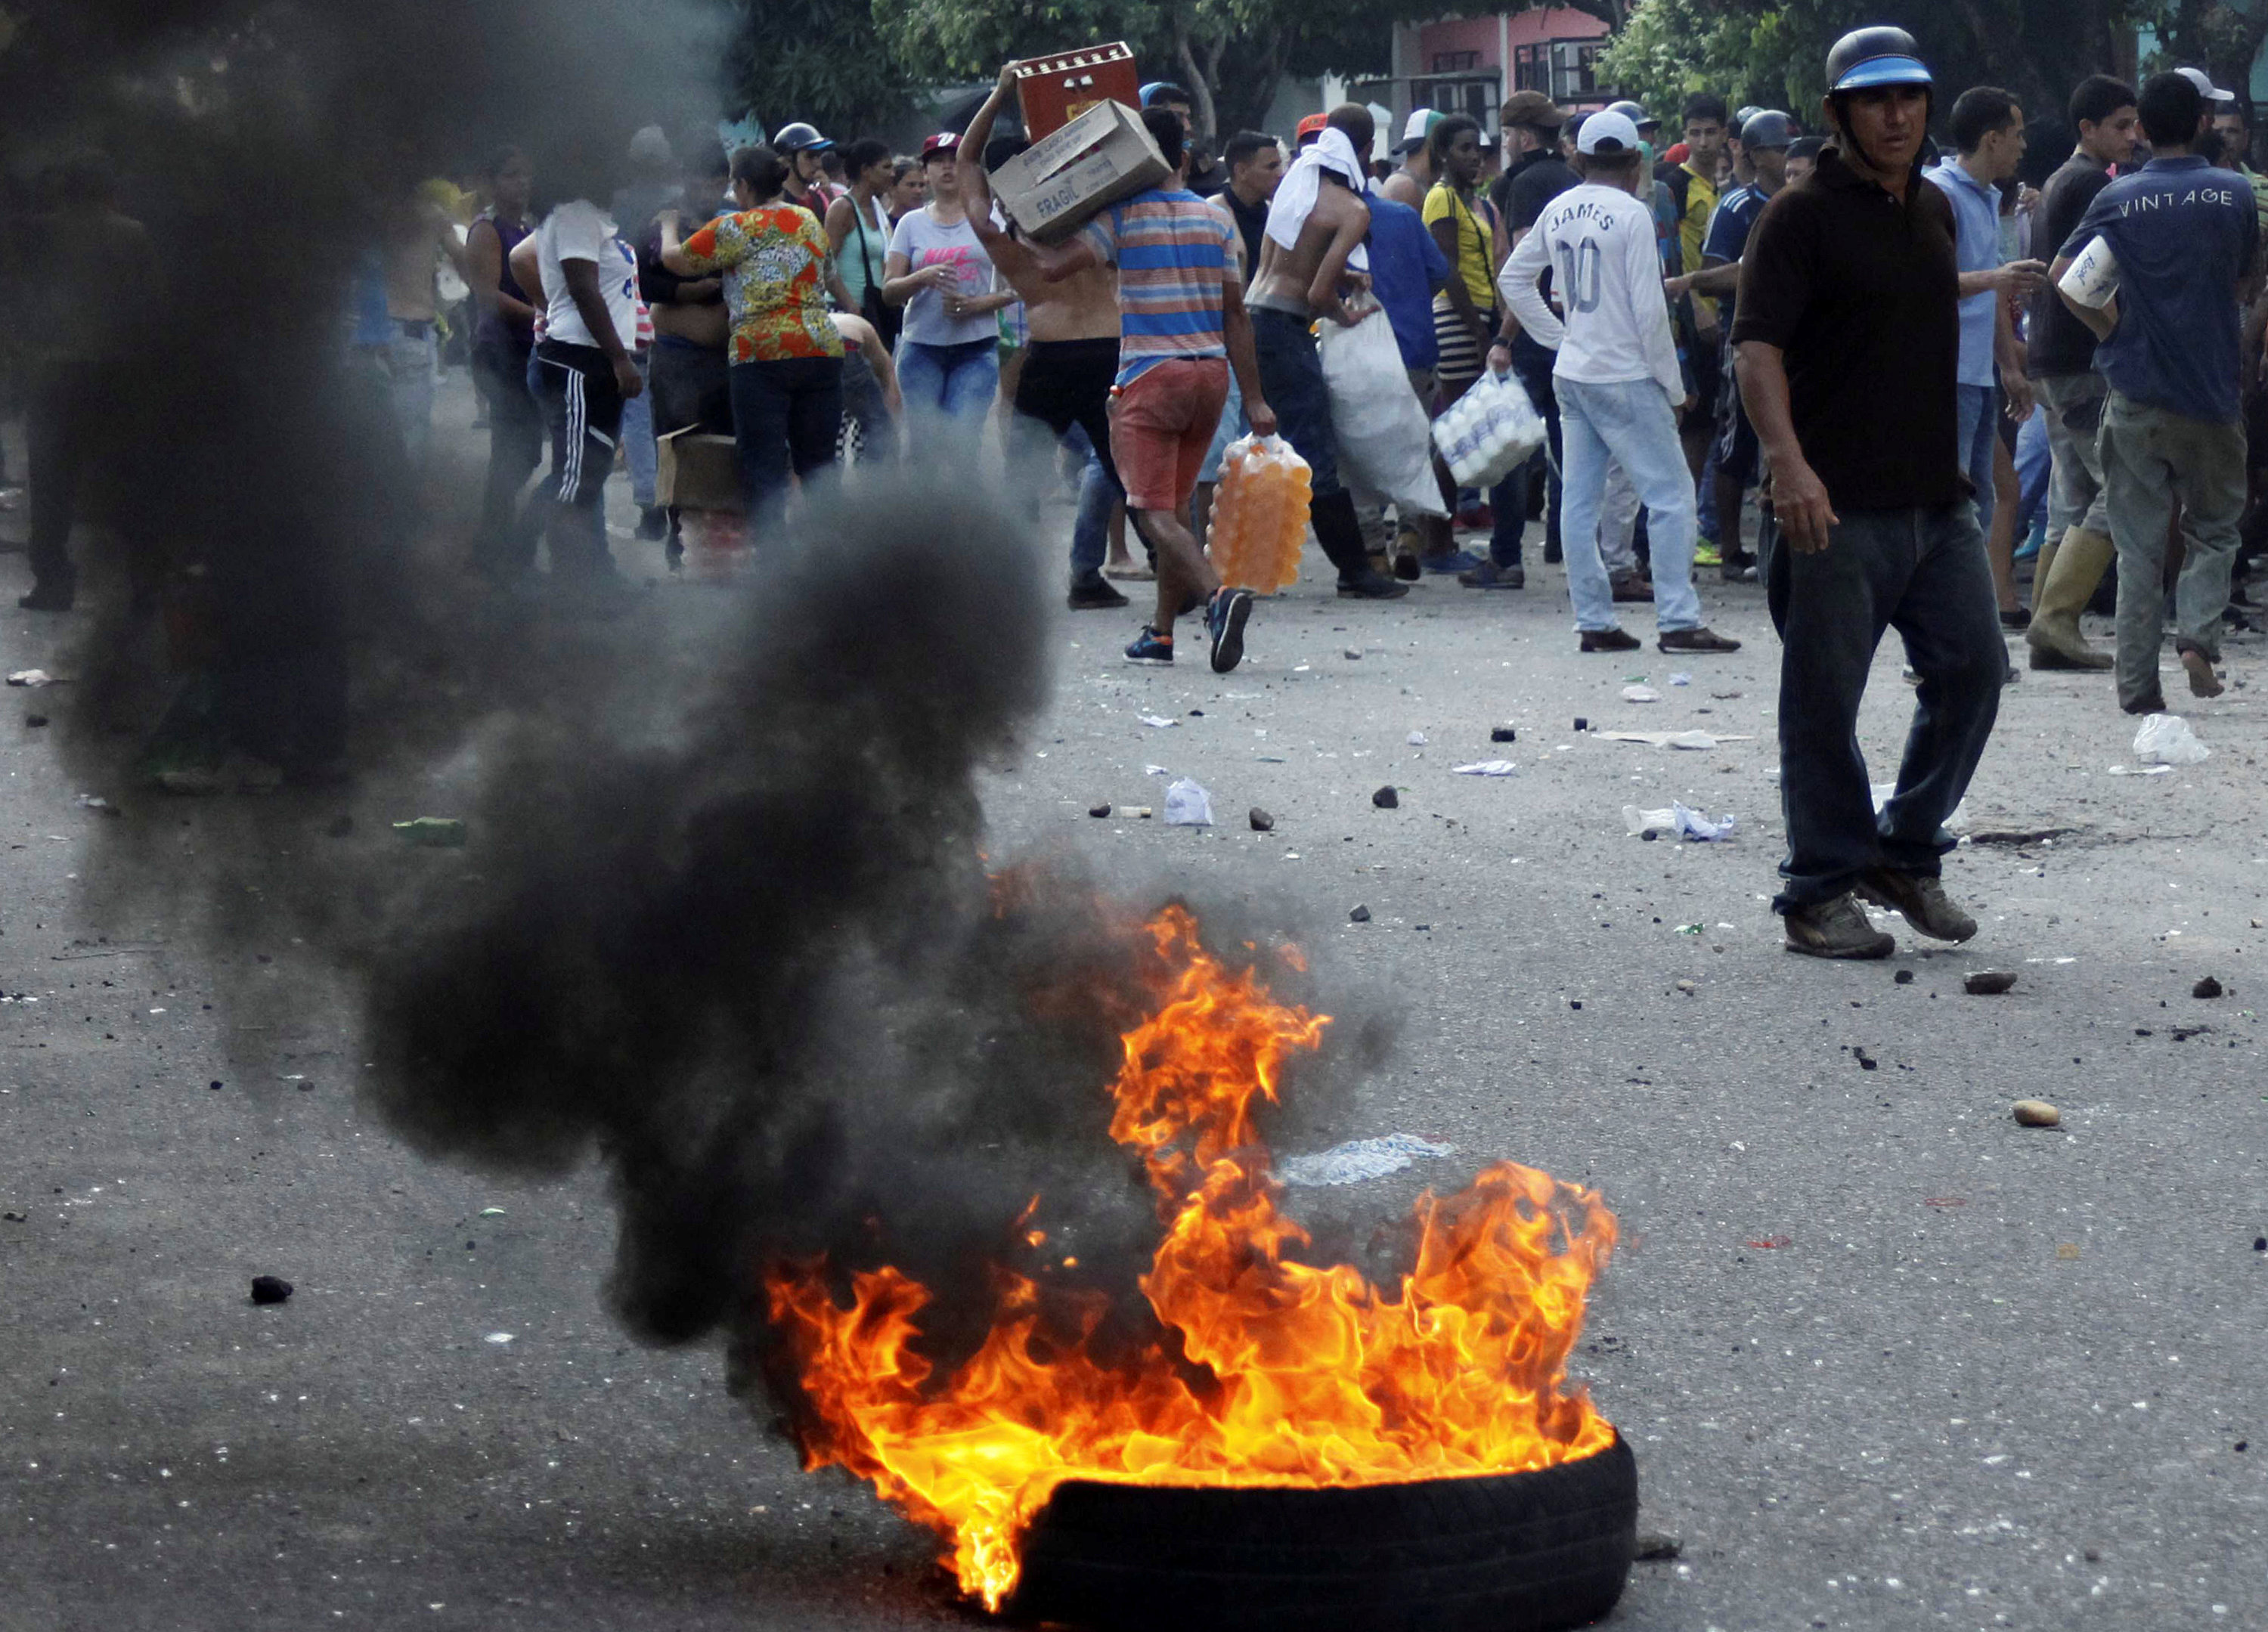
x: 1486, y: 767
x: 1989, y: 983
x: 1359, y: 1159
x: 2037, y: 1113
x: 432, y: 833
x: 1261, y: 821
x: 1686, y: 823
x: 1503, y: 733
x: 33, y: 678
x: 2206, y: 988
x: 1188, y: 804
x: 1360, y: 915
x: 267, y: 1289
x: 2167, y: 739
x: 1386, y: 798
x: 1672, y: 738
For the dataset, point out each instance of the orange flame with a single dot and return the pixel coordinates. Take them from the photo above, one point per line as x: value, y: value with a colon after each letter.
x: 1316, y: 1377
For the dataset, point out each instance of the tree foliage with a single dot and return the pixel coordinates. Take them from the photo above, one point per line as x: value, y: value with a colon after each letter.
x: 828, y: 62
x: 1773, y: 52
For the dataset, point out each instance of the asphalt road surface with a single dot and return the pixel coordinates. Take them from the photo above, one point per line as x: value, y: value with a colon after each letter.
x: 1887, y: 1360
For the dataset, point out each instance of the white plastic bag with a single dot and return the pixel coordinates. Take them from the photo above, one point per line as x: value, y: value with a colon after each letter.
x: 1188, y: 805
x: 1376, y: 419
x: 2167, y: 739
x: 1490, y: 432
x: 1686, y: 824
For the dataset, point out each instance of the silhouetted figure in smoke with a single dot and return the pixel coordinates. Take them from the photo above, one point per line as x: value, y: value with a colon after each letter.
x: 502, y: 343
x: 91, y: 280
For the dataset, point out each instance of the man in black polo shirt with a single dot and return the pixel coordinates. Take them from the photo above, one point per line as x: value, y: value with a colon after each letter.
x: 1534, y: 175
x: 1850, y: 341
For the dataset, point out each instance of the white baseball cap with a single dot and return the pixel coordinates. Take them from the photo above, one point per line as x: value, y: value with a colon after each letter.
x: 2203, y: 81
x: 1607, y: 132
x: 1416, y: 127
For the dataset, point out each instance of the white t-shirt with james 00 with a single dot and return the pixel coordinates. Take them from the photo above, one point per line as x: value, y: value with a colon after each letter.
x: 923, y: 243
x: 1598, y: 244
x: 580, y: 230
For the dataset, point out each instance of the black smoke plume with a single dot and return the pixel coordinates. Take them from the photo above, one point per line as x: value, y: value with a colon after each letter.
x: 724, y: 924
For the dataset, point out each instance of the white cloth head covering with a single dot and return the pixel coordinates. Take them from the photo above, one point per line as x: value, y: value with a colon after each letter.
x: 1303, y: 183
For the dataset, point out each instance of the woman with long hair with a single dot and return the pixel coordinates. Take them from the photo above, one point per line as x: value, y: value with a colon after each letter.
x: 949, y: 350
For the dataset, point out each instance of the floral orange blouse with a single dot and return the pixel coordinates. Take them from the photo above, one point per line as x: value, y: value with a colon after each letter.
x: 774, y: 261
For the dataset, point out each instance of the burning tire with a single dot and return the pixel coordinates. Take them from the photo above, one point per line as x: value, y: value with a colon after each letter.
x: 1510, y: 1553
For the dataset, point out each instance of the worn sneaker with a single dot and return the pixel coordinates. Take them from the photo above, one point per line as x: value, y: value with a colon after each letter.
x: 1608, y: 640
x: 653, y: 524
x: 1450, y: 560
x: 1922, y: 899
x: 1835, y: 929
x: 1740, y: 568
x: 1093, y: 593
x: 1630, y: 584
x: 1699, y: 639
x: 1151, y: 647
x: 1371, y: 586
x: 1225, y: 617
x: 1489, y: 575
x: 1706, y: 554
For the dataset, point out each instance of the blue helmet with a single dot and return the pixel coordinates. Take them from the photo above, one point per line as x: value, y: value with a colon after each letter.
x: 1866, y: 58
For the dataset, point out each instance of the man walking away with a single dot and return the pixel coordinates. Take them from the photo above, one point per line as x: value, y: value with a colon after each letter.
x: 1313, y: 244
x: 1849, y: 334
x: 584, y: 373
x: 1255, y: 166
x: 2078, y: 550
x: 1618, y: 381
x: 2187, y: 240
x: 1988, y: 130
x: 1183, y: 328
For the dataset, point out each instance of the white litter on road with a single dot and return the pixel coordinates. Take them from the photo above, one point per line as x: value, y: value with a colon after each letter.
x: 1188, y: 805
x: 2141, y: 771
x: 1359, y: 1159
x: 2167, y: 739
x: 1159, y: 720
x: 31, y: 677
x: 1672, y: 738
x: 1640, y: 694
x: 1679, y: 819
x: 1486, y: 767
x: 1416, y: 739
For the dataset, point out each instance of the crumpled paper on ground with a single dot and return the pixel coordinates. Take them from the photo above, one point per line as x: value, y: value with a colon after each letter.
x: 1678, y: 819
x: 1672, y: 738
x: 1485, y: 767
x: 1359, y: 1159
x: 2167, y: 739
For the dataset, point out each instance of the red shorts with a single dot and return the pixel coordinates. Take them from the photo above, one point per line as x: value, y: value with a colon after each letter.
x: 1161, y: 426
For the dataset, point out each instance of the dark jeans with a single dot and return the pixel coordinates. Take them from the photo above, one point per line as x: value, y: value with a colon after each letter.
x: 1292, y: 378
x: 515, y: 449
x: 787, y: 413
x: 1924, y: 573
x: 583, y: 410
x: 1531, y: 365
x: 1067, y: 383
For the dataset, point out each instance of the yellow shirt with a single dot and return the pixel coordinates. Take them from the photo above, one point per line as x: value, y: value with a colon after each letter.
x: 1693, y: 226
x: 1475, y: 243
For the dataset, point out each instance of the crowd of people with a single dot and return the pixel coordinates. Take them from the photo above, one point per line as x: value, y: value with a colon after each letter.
x: 1917, y: 370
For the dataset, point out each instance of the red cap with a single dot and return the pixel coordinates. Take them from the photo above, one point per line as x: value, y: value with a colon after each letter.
x: 1313, y: 125
x: 1678, y: 154
x: 943, y: 141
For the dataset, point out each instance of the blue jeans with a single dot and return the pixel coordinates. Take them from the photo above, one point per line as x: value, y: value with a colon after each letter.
x: 1631, y: 424
x: 1090, y: 532
x: 955, y: 383
x: 1922, y: 572
x: 1980, y: 429
x: 785, y: 414
x: 1531, y: 365
x: 637, y: 438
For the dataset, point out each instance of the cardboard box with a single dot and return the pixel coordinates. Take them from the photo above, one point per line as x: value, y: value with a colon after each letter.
x: 1053, y: 91
x: 696, y: 470
x: 1060, y: 181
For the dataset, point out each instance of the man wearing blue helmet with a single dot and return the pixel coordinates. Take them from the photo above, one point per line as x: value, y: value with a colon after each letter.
x: 1848, y: 339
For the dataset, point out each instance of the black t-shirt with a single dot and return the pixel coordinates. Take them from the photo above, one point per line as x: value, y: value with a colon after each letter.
x: 2059, y: 344
x: 1863, y: 296
x: 1521, y: 192
x: 1251, y: 224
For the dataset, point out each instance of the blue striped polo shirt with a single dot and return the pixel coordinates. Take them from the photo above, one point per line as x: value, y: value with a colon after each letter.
x: 1173, y: 254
